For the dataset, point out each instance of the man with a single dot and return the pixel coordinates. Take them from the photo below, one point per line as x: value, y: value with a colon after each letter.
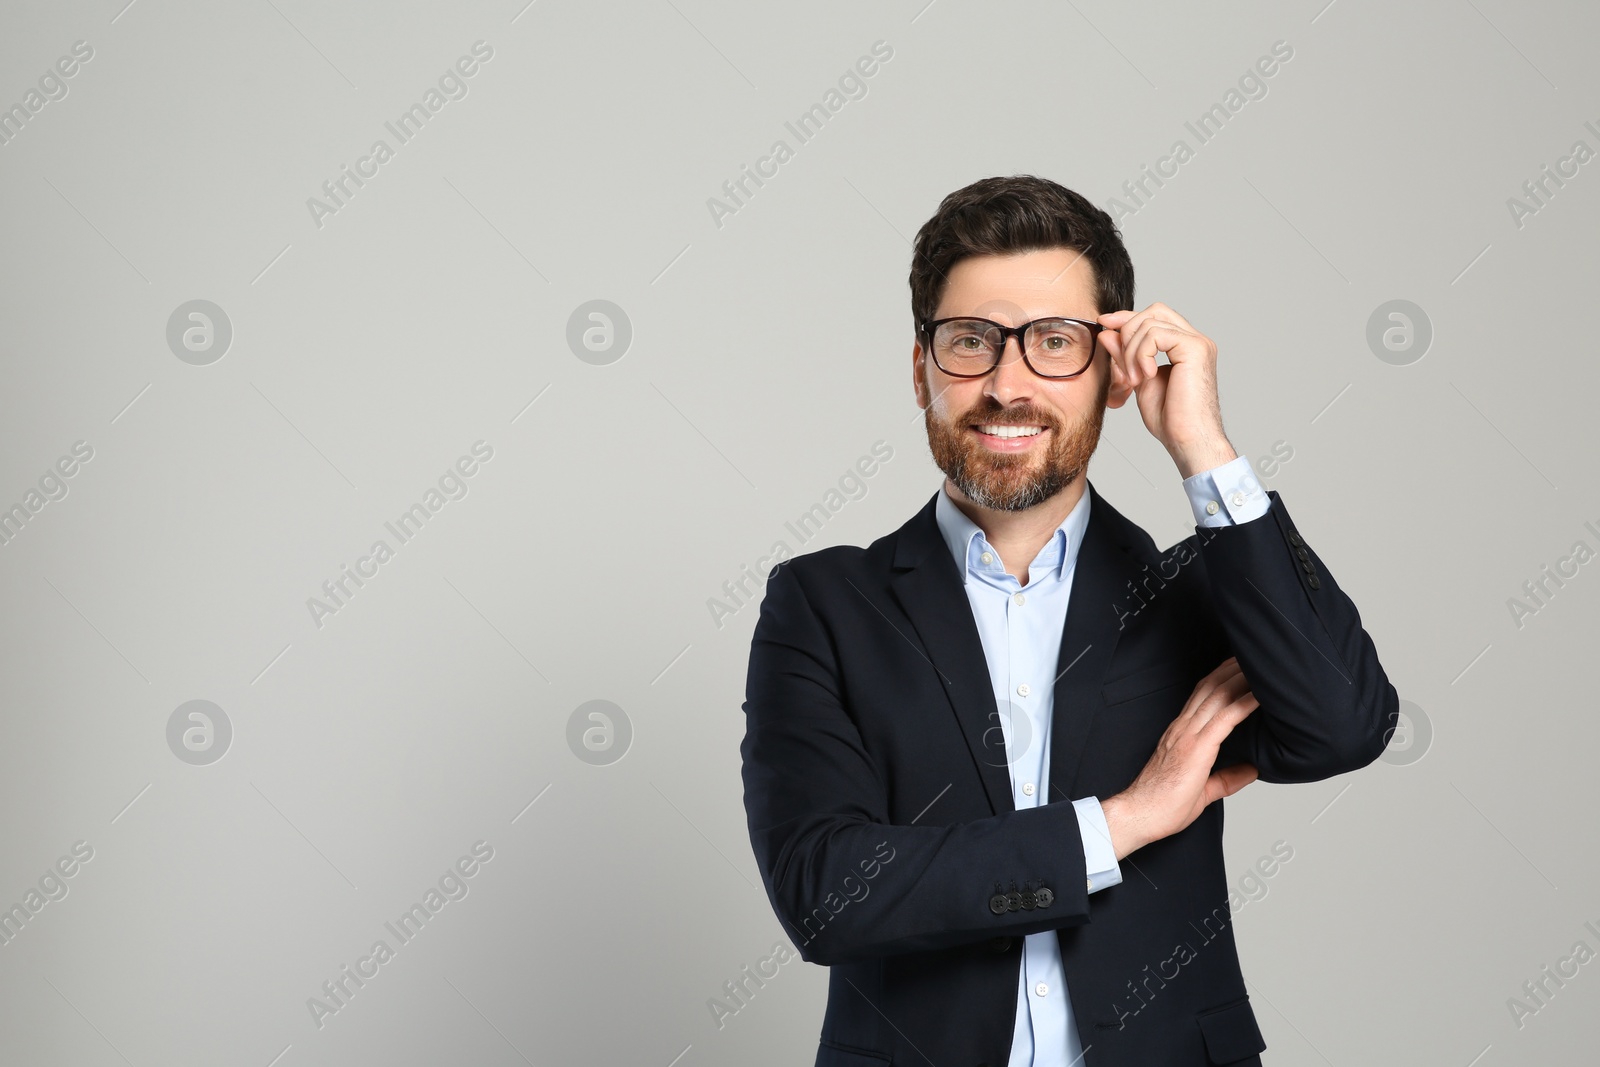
x: 981, y: 754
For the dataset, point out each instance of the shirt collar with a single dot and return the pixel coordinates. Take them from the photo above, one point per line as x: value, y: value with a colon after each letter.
x: 966, y: 541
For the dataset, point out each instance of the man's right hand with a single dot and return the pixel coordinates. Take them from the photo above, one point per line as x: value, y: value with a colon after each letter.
x: 1178, y: 782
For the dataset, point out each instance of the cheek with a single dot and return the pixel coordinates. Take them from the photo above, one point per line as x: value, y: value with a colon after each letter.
x: 947, y: 403
x: 1063, y: 404
x: 1077, y: 401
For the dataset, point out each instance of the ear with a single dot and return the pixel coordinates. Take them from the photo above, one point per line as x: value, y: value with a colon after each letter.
x: 1118, y: 394
x: 919, y: 379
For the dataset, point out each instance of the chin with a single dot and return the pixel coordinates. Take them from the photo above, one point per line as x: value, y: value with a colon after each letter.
x: 1015, y: 496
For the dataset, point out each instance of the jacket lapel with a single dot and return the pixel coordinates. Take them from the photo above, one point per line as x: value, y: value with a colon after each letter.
x: 927, y: 584
x: 1099, y: 584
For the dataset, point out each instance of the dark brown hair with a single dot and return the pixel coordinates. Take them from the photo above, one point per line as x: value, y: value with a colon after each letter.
x: 1021, y: 213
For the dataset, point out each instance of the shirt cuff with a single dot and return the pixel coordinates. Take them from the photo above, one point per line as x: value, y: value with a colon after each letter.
x: 1099, y: 858
x: 1227, y: 495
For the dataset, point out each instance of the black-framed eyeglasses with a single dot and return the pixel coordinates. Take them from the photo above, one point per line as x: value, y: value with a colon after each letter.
x: 968, y: 347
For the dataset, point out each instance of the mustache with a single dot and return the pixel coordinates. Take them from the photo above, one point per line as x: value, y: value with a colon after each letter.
x: 1025, y: 415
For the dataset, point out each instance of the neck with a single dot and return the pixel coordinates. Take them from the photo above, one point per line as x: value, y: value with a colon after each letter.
x: 1019, y: 535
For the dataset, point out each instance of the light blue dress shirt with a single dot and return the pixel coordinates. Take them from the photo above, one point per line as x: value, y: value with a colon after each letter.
x: 1021, y: 626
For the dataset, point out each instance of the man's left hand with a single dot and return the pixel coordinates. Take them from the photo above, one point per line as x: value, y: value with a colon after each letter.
x: 1178, y: 401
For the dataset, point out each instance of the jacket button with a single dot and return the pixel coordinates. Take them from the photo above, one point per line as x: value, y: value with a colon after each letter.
x: 1302, y: 553
x: 1043, y: 897
x: 1313, y: 583
x: 998, y: 903
x: 1000, y: 944
x: 1294, y: 539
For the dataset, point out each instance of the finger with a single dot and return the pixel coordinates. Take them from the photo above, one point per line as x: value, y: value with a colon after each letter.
x: 1152, y: 341
x: 1132, y: 319
x: 1211, y: 730
x: 1229, y: 780
x: 1132, y: 336
x: 1166, y: 312
x: 1230, y: 688
x: 1206, y: 686
x: 1184, y: 346
x: 1156, y: 336
x: 1128, y: 324
x: 1154, y: 395
x: 1219, y: 725
x: 1221, y: 697
x: 1111, y: 341
x: 1113, y: 356
x: 1228, y: 668
x: 1116, y: 344
x: 1218, y: 668
x: 1200, y: 706
x: 1118, y: 378
x: 1234, y: 685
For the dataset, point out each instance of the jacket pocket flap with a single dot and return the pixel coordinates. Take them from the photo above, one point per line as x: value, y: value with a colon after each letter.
x: 1231, y: 1033
x: 1148, y: 680
x: 831, y: 1055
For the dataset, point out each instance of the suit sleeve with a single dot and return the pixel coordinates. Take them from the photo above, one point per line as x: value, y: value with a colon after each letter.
x: 1326, y: 705
x: 846, y: 883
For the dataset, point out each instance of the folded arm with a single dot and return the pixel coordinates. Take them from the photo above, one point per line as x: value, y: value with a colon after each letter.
x: 1301, y: 695
x: 818, y: 813
x: 1327, y: 705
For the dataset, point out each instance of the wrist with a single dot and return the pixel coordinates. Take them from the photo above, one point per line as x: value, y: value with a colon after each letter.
x: 1203, y: 455
x: 1125, y: 824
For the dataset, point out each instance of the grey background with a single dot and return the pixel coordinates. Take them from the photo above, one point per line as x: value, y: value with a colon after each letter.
x: 767, y: 355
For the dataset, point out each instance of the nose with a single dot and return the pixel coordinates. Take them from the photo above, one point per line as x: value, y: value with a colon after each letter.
x: 1010, y: 380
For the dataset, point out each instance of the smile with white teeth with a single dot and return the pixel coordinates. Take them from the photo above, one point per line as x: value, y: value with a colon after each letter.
x: 1010, y: 431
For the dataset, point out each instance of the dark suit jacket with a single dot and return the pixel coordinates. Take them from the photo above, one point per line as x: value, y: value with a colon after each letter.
x: 879, y: 800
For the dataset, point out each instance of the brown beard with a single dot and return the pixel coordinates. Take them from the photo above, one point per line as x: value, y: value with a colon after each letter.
x: 1013, y: 481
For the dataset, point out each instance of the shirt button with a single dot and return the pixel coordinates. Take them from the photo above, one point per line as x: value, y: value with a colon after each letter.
x: 1042, y: 989
x: 1211, y: 507
x: 1088, y: 883
x: 1238, y: 499
x: 1023, y: 690
x: 1018, y: 599
x: 986, y: 558
x: 1027, y: 789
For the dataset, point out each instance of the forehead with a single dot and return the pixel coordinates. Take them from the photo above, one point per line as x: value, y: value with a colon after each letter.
x: 1021, y: 286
